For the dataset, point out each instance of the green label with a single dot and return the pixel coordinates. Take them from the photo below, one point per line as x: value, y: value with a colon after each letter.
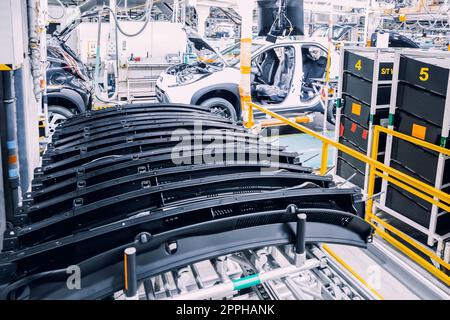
x: 391, y: 119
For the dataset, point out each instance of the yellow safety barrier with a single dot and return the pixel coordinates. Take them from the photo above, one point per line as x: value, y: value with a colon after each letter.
x: 402, y: 180
x: 276, y: 123
x: 5, y: 67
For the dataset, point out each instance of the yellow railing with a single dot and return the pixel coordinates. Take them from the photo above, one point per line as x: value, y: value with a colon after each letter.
x: 402, y: 180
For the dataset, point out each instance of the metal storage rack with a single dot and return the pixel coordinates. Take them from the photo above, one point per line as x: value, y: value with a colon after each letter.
x: 363, y: 100
x: 138, y: 79
x: 421, y: 86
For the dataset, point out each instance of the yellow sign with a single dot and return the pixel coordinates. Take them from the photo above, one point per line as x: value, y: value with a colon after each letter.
x: 5, y: 67
x: 418, y: 131
x: 356, y: 109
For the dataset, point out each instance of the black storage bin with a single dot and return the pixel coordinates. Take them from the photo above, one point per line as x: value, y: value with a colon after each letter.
x: 425, y: 72
x: 421, y: 103
x: 362, y: 89
x: 345, y: 170
x: 361, y: 166
x: 415, y: 208
x: 417, y: 127
x: 362, y: 65
x: 358, y: 135
x: 418, y: 160
x: 356, y: 110
x: 359, y: 112
x: 354, y: 133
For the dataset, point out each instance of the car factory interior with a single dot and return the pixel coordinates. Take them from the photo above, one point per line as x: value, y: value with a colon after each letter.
x: 225, y: 150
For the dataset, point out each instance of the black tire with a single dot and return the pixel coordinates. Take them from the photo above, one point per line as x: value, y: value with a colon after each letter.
x: 331, y: 112
x: 222, y: 107
x: 57, y: 115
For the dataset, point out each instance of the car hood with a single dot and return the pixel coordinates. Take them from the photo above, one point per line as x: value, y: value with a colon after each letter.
x: 201, y: 44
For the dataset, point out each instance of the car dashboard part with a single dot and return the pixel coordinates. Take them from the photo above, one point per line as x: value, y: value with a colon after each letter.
x: 98, y: 194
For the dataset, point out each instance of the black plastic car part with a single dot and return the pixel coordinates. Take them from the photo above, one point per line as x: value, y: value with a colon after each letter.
x: 49, y: 175
x: 163, y: 175
x: 157, y: 139
x: 139, y: 117
x: 130, y: 126
x: 101, y: 189
x: 140, y: 149
x: 124, y: 111
x: 102, y: 273
x: 83, y: 209
x: 29, y: 243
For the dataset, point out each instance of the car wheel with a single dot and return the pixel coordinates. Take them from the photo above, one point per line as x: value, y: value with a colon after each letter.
x: 331, y: 112
x: 222, y: 107
x: 57, y: 115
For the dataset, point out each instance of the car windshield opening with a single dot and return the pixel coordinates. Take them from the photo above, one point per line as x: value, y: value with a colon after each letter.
x: 231, y: 54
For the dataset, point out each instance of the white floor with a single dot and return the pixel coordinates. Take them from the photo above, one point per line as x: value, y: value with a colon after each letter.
x: 379, y: 278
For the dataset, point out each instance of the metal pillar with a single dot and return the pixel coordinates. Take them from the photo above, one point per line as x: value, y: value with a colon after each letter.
x: 22, y: 138
x: 2, y: 203
x: 202, y: 15
x: 9, y: 144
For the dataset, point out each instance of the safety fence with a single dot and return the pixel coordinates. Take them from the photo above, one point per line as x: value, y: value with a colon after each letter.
x: 415, y: 250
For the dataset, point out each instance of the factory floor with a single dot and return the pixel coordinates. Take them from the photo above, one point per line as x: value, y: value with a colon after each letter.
x: 308, y: 148
x: 373, y: 272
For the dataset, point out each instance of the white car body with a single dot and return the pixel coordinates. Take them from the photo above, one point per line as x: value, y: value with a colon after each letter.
x: 170, y: 89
